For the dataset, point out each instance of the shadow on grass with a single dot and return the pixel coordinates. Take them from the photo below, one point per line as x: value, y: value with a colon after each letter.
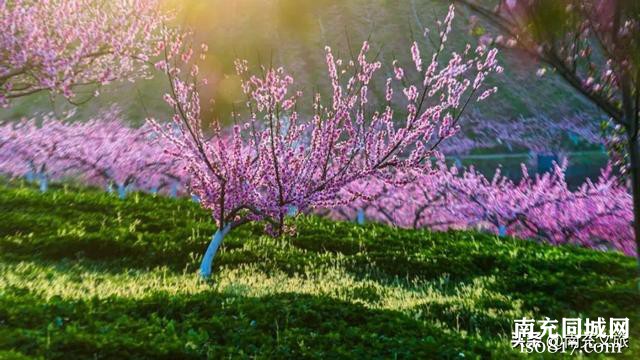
x: 216, y: 325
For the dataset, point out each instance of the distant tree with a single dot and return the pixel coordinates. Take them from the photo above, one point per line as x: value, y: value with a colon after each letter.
x: 60, y: 45
x: 31, y: 149
x: 526, y: 134
x: 102, y: 151
x: 594, y: 45
x: 106, y: 152
x: 596, y: 214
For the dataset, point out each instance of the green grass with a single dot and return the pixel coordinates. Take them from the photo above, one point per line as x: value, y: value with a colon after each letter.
x: 84, y: 275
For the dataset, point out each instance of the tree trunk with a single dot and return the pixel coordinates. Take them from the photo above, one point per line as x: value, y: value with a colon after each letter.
x: 502, y: 230
x: 44, y: 182
x: 29, y: 176
x: 634, y: 164
x: 360, y: 218
x: 292, y: 211
x: 174, y: 190
x: 122, y: 191
x: 207, y: 259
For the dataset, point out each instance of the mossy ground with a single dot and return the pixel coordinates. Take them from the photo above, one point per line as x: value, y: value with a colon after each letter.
x: 84, y: 275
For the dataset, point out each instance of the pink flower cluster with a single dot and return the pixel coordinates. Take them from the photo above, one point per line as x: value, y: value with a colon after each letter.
x: 101, y: 152
x: 58, y: 45
x: 597, y: 214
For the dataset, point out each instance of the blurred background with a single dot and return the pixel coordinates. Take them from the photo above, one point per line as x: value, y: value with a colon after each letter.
x: 293, y: 33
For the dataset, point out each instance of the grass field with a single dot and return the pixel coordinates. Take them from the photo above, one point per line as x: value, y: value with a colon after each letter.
x: 84, y: 275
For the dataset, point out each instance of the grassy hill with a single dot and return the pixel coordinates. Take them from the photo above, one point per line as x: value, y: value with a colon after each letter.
x: 84, y: 275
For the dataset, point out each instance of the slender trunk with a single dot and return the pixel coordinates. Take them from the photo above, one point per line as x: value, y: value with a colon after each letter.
x: 634, y: 163
x: 207, y: 259
x: 44, y: 182
x: 360, y: 216
x: 502, y: 230
x: 292, y: 210
x: 122, y: 191
x: 174, y: 190
x: 29, y: 176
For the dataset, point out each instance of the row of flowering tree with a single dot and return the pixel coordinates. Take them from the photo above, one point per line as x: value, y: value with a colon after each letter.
x: 540, y: 134
x: 597, y: 214
x: 594, y: 46
x: 102, y: 152
x: 276, y: 160
x: 105, y: 152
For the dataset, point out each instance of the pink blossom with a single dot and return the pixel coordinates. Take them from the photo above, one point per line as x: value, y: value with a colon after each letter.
x: 56, y: 45
x: 277, y: 158
x: 597, y: 215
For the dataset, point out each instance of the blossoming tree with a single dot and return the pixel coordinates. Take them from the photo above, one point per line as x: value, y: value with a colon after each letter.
x: 594, y: 46
x: 60, y: 45
x: 277, y: 159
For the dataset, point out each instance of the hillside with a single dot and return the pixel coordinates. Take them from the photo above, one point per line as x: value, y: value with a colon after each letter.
x: 85, y: 275
x: 293, y: 34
